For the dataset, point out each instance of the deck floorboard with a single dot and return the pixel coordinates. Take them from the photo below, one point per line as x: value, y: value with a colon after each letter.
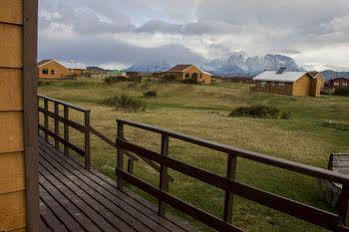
x: 74, y: 199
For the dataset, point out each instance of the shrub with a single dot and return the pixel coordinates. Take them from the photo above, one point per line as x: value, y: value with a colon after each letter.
x: 260, y: 111
x: 168, y: 78
x: 124, y: 102
x: 191, y: 80
x: 342, y: 91
x: 43, y: 83
x: 115, y: 79
x: 150, y: 93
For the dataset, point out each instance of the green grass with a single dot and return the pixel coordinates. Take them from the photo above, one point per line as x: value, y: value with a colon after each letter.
x: 318, y: 127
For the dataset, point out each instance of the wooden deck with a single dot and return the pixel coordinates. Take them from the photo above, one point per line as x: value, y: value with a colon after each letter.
x: 75, y: 199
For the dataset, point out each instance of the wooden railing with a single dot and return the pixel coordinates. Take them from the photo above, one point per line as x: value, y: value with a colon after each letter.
x: 319, y: 217
x: 67, y: 123
x: 85, y: 128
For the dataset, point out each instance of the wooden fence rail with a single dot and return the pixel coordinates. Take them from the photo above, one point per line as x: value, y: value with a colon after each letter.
x: 322, y: 218
x: 67, y: 123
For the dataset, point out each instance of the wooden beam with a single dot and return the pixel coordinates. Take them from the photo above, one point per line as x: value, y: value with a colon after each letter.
x: 30, y: 38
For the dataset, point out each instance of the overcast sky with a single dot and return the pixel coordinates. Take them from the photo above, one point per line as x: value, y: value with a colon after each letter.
x: 119, y: 33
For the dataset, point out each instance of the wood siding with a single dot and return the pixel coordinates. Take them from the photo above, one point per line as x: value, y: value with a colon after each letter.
x: 274, y: 87
x: 13, y: 184
x: 59, y: 71
x: 303, y: 86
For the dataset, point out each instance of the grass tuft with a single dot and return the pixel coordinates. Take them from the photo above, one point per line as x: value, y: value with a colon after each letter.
x: 125, y: 103
x: 260, y: 111
x: 150, y: 93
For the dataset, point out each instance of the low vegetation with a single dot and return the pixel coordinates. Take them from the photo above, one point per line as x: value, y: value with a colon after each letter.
x: 201, y: 111
x: 125, y: 103
x: 342, y: 91
x: 150, y: 93
x: 260, y: 111
x: 115, y: 79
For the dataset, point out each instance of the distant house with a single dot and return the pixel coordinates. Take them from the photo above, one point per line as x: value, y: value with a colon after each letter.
x: 339, y: 82
x: 74, y: 68
x: 119, y: 73
x: 188, y: 71
x: 52, y: 69
x: 289, y: 83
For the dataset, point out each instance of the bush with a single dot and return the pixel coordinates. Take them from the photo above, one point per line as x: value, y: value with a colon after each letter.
x: 150, y: 93
x: 43, y: 83
x: 260, y: 111
x: 126, y: 103
x: 168, y: 78
x: 190, y: 81
x: 115, y: 79
x: 342, y: 91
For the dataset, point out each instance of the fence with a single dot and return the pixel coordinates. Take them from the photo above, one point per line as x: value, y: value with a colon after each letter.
x: 67, y: 123
x: 322, y: 218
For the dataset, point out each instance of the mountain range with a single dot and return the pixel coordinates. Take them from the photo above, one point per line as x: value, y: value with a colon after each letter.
x: 236, y: 64
x: 239, y: 64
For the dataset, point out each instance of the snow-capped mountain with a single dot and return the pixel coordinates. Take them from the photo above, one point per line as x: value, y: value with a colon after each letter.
x: 238, y: 63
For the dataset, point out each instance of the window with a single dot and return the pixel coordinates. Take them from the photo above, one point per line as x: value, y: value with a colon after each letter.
x: 336, y: 83
x: 272, y: 83
x: 53, y: 72
x: 281, y: 84
x: 345, y: 83
x: 45, y: 71
x: 187, y: 75
x: 263, y: 83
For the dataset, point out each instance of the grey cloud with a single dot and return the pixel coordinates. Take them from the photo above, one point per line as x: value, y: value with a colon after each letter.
x: 93, y: 51
x: 197, y: 28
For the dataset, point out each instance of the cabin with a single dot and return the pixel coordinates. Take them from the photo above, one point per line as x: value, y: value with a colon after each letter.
x: 74, y: 69
x: 339, y: 82
x: 45, y: 188
x: 283, y: 82
x: 183, y: 72
x: 117, y: 73
x: 51, y: 69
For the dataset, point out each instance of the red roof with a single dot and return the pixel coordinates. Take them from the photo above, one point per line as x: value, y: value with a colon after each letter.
x: 41, y: 63
x: 180, y: 67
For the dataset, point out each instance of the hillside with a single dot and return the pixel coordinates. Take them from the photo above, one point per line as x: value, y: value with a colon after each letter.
x: 202, y: 111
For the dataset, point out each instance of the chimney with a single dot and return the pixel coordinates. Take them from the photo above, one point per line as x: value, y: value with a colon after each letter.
x: 281, y: 70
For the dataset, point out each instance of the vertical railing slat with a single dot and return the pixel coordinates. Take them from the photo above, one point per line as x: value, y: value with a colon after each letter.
x: 66, y: 130
x: 46, y: 118
x: 228, y: 201
x: 87, y: 140
x: 164, y: 182
x: 120, y: 155
x: 56, y: 126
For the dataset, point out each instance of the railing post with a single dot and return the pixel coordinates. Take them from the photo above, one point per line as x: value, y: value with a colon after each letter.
x: 130, y: 166
x: 120, y: 155
x: 66, y: 129
x: 228, y: 201
x: 344, y: 205
x: 87, y: 140
x: 163, y: 173
x: 46, y: 118
x: 56, y: 125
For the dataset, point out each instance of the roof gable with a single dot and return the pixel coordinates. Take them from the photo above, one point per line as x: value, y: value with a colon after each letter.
x: 43, y: 62
x: 180, y: 67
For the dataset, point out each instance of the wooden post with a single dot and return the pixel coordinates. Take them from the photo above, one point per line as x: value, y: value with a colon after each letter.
x: 56, y: 125
x: 130, y: 166
x: 120, y: 155
x: 344, y: 205
x: 66, y: 130
x: 46, y: 118
x: 87, y: 140
x: 228, y: 202
x: 163, y: 173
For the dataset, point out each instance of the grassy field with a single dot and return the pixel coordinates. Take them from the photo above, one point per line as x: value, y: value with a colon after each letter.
x: 318, y: 127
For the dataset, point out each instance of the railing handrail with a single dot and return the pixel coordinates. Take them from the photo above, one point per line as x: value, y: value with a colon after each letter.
x: 258, y: 157
x: 64, y: 103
